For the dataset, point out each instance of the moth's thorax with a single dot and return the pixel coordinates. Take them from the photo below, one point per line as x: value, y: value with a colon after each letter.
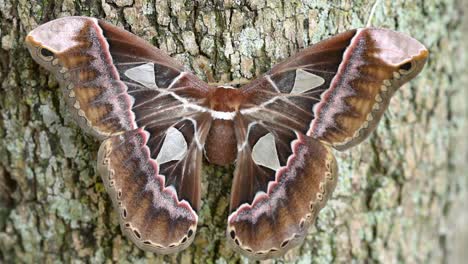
x: 225, y: 99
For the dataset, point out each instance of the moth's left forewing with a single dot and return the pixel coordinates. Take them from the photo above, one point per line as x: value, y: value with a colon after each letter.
x: 76, y: 52
x: 108, y: 75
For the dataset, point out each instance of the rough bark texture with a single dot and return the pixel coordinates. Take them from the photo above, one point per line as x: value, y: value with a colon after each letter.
x: 400, y: 195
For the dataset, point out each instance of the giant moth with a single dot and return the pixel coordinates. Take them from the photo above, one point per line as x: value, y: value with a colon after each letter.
x: 157, y: 121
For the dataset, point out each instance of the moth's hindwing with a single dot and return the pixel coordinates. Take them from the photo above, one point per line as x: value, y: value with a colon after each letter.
x: 150, y: 213
x: 275, y: 198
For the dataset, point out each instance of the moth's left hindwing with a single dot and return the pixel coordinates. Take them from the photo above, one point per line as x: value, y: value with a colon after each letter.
x: 150, y: 214
x: 146, y: 107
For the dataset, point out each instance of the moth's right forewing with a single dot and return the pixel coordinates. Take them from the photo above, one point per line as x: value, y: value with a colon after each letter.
x: 375, y: 64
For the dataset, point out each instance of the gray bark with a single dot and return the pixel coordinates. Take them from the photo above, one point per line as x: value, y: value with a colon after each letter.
x: 399, y: 196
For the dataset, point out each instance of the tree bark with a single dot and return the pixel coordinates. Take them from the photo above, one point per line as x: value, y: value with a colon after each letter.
x: 399, y: 196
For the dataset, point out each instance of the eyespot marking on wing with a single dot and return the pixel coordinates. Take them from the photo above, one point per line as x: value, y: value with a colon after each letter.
x: 305, y: 81
x: 174, y: 147
x: 264, y: 152
x: 143, y: 74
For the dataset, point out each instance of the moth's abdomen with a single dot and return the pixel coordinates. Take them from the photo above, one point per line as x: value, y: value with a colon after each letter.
x: 221, y: 143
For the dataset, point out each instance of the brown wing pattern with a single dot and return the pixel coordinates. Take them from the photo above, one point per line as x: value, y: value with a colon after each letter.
x: 332, y: 93
x: 338, y: 89
x: 146, y: 107
x: 72, y: 48
x: 374, y: 66
x: 155, y: 117
x: 151, y: 214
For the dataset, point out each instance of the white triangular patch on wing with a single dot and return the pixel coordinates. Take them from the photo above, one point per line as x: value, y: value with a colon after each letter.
x: 174, y: 147
x: 143, y: 74
x: 306, y: 81
x: 264, y: 152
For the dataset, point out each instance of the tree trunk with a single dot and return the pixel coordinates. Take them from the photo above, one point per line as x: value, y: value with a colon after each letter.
x: 398, y: 194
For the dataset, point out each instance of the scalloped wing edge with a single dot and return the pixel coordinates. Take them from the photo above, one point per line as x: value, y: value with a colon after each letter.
x: 326, y: 188
x: 107, y: 176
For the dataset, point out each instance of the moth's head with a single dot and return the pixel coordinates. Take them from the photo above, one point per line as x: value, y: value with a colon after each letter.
x: 48, y: 41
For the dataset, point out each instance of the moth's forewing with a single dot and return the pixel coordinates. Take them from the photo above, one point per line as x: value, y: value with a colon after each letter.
x: 78, y: 56
x: 376, y: 63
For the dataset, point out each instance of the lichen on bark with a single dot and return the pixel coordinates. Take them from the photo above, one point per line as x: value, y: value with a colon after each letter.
x: 397, y: 193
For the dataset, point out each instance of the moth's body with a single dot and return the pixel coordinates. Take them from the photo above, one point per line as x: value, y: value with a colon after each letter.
x: 221, y: 144
x: 157, y: 120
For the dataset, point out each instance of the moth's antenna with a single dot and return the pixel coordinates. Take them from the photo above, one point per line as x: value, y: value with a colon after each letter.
x: 208, y: 73
x: 369, y: 20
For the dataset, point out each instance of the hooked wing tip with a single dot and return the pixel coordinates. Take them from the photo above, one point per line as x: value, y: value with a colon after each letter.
x: 395, y: 47
x: 58, y: 35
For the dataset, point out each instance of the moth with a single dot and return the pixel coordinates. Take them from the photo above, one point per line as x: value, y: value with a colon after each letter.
x: 157, y: 121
